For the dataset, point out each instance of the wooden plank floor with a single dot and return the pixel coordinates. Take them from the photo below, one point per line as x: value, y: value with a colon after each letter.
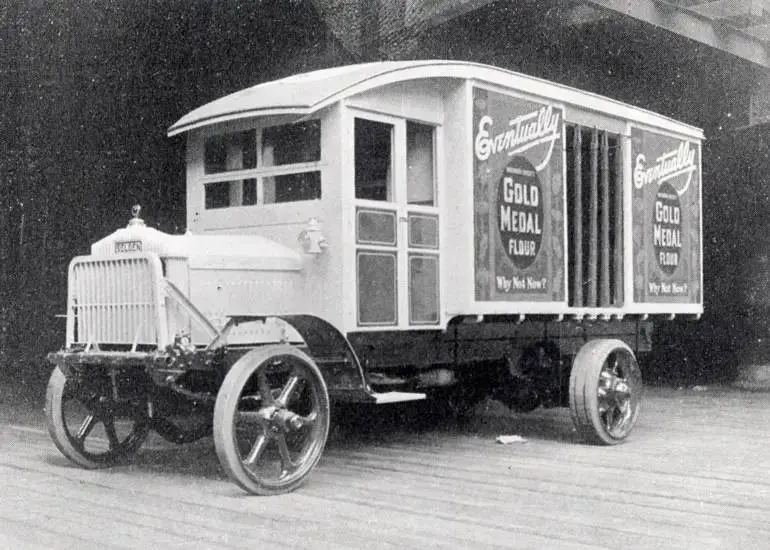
x: 694, y: 474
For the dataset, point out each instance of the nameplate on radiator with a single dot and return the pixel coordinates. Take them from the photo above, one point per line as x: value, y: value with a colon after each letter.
x: 128, y: 246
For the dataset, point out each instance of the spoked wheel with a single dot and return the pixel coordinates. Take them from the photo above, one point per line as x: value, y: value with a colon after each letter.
x: 605, y: 391
x: 88, y: 426
x: 271, y: 420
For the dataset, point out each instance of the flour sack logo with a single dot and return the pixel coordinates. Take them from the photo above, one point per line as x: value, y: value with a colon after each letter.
x: 520, y: 212
x: 667, y: 228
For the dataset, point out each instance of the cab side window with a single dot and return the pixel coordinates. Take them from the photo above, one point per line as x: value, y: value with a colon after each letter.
x: 271, y: 165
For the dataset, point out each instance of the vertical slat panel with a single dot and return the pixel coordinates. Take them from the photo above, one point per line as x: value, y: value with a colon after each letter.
x: 139, y: 311
x: 82, y: 281
x: 99, y: 282
x: 77, y: 293
x: 90, y: 300
x: 111, y: 311
x: 114, y: 301
x: 604, y: 263
x: 120, y: 309
x: 148, y: 321
x: 93, y: 302
x: 128, y: 298
x: 117, y: 307
x: 102, y: 281
x: 577, y: 220
x: 617, y: 295
x: 593, y: 231
x: 142, y: 296
x: 85, y: 307
x: 101, y: 298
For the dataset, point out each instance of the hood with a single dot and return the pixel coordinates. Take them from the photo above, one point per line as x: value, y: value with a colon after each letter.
x: 201, y: 251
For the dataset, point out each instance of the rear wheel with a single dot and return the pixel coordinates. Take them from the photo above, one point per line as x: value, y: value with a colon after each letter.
x: 88, y: 426
x: 605, y: 391
x: 271, y: 420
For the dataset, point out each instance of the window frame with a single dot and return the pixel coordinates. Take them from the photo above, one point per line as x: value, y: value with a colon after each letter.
x: 261, y: 172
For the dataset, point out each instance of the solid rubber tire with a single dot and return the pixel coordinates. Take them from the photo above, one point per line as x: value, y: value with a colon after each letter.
x: 583, y: 398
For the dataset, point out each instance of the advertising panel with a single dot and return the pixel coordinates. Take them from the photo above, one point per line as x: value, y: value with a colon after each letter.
x: 518, y: 198
x: 666, y: 218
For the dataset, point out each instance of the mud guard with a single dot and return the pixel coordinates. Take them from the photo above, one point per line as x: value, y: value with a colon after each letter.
x: 339, y: 364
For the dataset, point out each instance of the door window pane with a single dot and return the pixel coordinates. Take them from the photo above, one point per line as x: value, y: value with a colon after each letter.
x: 420, y: 188
x: 376, y: 227
x: 423, y: 231
x: 423, y: 289
x: 377, y: 300
x: 373, y: 160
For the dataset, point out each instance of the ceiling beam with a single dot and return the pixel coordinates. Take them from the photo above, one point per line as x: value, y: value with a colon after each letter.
x: 699, y: 21
x: 692, y: 25
x: 725, y: 9
x: 440, y: 11
x: 761, y: 32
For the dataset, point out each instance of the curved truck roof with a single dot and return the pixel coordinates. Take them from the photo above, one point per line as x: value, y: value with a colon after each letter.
x: 306, y: 93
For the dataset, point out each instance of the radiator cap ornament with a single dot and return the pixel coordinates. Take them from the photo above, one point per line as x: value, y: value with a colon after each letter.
x: 135, y: 219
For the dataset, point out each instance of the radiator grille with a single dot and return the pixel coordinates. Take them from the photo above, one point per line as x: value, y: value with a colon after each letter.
x: 114, y: 301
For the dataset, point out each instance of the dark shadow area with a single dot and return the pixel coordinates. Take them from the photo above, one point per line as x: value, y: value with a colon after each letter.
x: 690, y: 352
x: 359, y: 425
x: 22, y: 394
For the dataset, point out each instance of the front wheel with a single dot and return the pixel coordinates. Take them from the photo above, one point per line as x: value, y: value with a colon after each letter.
x: 271, y: 420
x: 88, y: 426
x: 605, y: 391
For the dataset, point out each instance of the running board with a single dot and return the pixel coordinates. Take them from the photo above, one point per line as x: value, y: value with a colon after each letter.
x: 378, y: 398
x: 396, y: 397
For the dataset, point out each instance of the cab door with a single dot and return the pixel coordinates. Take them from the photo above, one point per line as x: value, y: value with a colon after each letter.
x: 397, y: 223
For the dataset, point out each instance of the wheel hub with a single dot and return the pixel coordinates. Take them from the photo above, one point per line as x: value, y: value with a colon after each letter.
x: 614, y: 394
x: 613, y: 391
x: 277, y: 419
x: 284, y: 420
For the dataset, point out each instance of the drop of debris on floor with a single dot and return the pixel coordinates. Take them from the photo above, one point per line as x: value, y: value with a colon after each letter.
x: 508, y: 439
